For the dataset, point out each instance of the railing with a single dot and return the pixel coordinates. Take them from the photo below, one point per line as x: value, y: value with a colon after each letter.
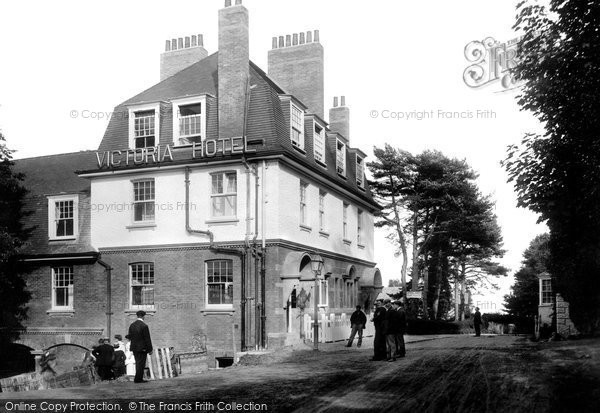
x: 190, y: 125
x: 333, y: 327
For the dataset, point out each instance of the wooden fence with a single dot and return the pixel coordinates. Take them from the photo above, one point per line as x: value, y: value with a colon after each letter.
x: 333, y: 327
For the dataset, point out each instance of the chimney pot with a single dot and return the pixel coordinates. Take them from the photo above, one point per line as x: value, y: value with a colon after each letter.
x: 316, y: 36
x: 343, y: 101
x: 288, y: 40
x: 187, y: 42
x: 194, y: 40
x: 168, y: 46
x: 238, y: 2
x: 295, y: 39
x: 335, y: 101
x: 180, y: 43
x: 308, y: 37
x: 274, y: 45
x: 302, y: 38
x: 201, y: 40
x: 227, y: 3
x: 281, y: 42
x: 173, y: 44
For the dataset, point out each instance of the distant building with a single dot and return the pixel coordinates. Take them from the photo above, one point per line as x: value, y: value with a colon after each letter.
x: 206, y: 195
x: 552, y: 305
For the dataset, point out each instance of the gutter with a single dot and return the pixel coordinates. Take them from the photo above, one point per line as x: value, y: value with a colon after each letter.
x: 108, y: 269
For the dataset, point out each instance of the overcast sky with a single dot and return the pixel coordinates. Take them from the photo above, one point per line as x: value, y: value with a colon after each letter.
x: 61, y: 58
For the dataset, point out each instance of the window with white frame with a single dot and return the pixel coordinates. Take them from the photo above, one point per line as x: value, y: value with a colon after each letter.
x: 323, y: 293
x: 62, y: 288
x: 303, y: 204
x: 219, y: 283
x: 322, y: 220
x: 224, y: 195
x: 297, y: 126
x: 143, y: 200
x: 142, y: 285
x: 546, y: 291
x: 340, y: 158
x: 189, y: 120
x: 359, y: 227
x: 63, y: 216
x: 319, y: 143
x: 345, y: 221
x: 144, y: 126
x: 360, y: 171
x: 144, y: 129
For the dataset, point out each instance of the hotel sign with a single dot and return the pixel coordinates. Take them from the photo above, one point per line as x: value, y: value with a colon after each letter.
x: 164, y: 153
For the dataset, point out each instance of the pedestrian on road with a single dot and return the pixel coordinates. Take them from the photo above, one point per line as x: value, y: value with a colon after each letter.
x: 477, y: 322
x: 395, y: 326
x: 379, y: 343
x: 104, y: 354
x: 358, y: 320
x: 141, y: 345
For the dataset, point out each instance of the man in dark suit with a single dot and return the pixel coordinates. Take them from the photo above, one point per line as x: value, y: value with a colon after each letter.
x: 395, y: 321
x: 379, y: 344
x: 141, y: 345
x: 358, y: 319
x: 104, y: 354
x: 477, y: 322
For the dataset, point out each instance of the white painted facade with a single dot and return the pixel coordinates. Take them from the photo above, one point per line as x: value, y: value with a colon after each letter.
x: 113, y: 226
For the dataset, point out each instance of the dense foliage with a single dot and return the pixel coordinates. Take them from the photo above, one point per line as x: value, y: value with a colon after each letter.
x: 557, y: 174
x: 13, y: 294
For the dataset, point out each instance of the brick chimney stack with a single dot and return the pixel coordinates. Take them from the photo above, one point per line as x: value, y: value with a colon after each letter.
x: 296, y: 63
x: 234, y: 68
x: 181, y: 53
x: 339, y: 118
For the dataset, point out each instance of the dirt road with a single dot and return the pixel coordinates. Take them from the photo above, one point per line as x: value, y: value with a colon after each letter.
x: 454, y: 374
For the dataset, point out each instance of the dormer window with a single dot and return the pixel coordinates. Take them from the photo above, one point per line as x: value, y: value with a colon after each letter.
x: 189, y: 120
x: 144, y: 129
x: 360, y: 172
x: 319, y: 143
x: 297, y: 126
x: 340, y: 158
x: 144, y: 126
x: 63, y: 217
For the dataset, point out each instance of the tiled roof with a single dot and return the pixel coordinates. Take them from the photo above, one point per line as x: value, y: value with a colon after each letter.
x: 55, y: 175
x: 266, y: 121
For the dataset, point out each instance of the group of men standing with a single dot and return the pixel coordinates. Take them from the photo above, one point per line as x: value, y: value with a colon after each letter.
x: 390, y: 326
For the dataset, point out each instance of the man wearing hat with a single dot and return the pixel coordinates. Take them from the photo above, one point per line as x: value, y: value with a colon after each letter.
x: 379, y: 343
x: 141, y: 345
x: 395, y: 326
x: 104, y: 354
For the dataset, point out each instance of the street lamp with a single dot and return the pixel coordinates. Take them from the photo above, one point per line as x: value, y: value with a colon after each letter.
x: 316, y: 264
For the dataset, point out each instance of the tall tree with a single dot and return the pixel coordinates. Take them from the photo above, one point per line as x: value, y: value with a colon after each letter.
x: 522, y: 302
x: 393, y: 172
x: 13, y: 294
x: 557, y: 174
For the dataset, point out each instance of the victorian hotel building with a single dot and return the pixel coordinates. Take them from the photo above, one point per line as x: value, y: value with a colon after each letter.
x: 208, y: 195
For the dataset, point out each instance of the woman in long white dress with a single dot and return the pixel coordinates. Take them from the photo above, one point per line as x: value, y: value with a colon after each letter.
x: 129, y: 358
